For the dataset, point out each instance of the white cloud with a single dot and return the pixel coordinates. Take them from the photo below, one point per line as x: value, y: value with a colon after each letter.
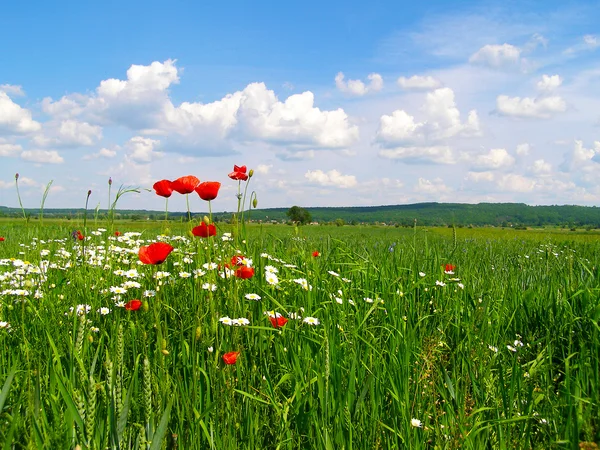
x: 442, y: 122
x: 515, y: 183
x: 8, y: 150
x: 527, y: 107
x: 421, y: 155
x: 23, y: 182
x: 11, y: 89
x: 433, y: 187
x: 357, y: 87
x: 541, y: 167
x: 495, y: 159
x: 591, y: 41
x: 497, y: 55
x: 549, y: 82
x: 68, y: 133
x: 302, y: 155
x: 264, y: 168
x: 417, y: 83
x: 581, y: 158
x: 331, y: 178
x: 141, y: 150
x: 478, y: 177
x: 102, y: 153
x: 42, y: 156
x: 523, y: 149
x: 14, y: 119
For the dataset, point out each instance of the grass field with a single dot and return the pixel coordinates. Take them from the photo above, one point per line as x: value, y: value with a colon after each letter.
x: 386, y: 345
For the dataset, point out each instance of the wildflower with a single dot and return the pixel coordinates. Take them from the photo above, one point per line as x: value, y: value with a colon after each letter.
x: 449, y: 269
x: 278, y: 321
x: 271, y: 269
x: 209, y: 287
x: 492, y: 348
x: 184, y: 274
x: 230, y: 358
x: 242, y: 321
x: 253, y: 296
x: 204, y: 230
x: 117, y: 233
x: 185, y: 185
x: 4, y: 325
x: 271, y: 278
x: 439, y: 283
x: 155, y: 253
x: 302, y: 282
x: 239, y: 173
x: 149, y: 293
x: 416, y: 423
x: 331, y: 272
x: 244, y: 272
x: 421, y: 274
x: 104, y: 311
x: 208, y: 190
x: 118, y: 290
x: 2, y: 239
x: 316, y: 254
x: 163, y: 188
x: 210, y: 349
x: 133, y: 305
x: 226, y: 321
x: 311, y: 320
x: 210, y: 266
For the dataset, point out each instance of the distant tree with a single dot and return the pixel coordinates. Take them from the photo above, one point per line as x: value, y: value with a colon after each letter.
x: 299, y: 215
x: 339, y: 222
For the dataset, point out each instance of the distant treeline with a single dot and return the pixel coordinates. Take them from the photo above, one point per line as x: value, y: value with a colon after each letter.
x: 429, y: 214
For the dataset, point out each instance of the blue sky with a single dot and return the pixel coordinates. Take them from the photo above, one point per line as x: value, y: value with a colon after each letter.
x: 332, y: 103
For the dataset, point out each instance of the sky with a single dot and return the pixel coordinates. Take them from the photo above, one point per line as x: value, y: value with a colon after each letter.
x: 330, y: 103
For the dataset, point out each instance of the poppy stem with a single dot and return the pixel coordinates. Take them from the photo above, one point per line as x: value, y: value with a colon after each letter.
x: 166, y: 211
x: 187, y: 200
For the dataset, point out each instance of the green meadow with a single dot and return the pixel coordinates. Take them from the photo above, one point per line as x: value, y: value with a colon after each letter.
x: 351, y: 337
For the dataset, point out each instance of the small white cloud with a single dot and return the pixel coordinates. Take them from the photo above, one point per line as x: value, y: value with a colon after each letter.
x: 421, y: 155
x: 591, y: 41
x: 495, y: 159
x: 141, y: 150
x: 10, y: 150
x: 14, y: 119
x: 102, y: 153
x: 42, y: 156
x: 549, y: 83
x: 264, y: 168
x: 478, y: 177
x: 68, y: 133
x: 541, y: 167
x: 523, y: 149
x: 357, y: 87
x: 332, y: 178
x: 12, y: 90
x: 418, y: 83
x: 23, y: 182
x: 433, y: 187
x: 497, y: 55
x: 515, y: 183
x: 527, y: 107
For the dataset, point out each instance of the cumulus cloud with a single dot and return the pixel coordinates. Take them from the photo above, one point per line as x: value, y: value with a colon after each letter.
x: 541, y: 167
x: 142, y: 103
x: 591, y: 41
x: 523, y: 149
x: 331, y: 178
x: 433, y: 187
x: 442, y: 121
x: 495, y: 159
x: 421, y: 155
x: 14, y: 119
x: 68, y: 133
x: 9, y: 150
x: 264, y: 169
x: 527, y: 107
x: 105, y: 153
x: 497, y: 56
x: 358, y: 87
x: 512, y: 182
x: 142, y: 150
x: 581, y: 158
x: 478, y: 177
x: 418, y: 83
x: 42, y: 156
x: 549, y: 83
x: 11, y: 89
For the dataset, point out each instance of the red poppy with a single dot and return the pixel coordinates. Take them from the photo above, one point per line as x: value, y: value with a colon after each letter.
x: 278, y: 321
x: 155, y: 253
x: 449, y: 268
x: 2, y: 239
x: 244, y: 272
x: 117, y: 233
x: 163, y: 188
x: 80, y: 236
x: 237, y: 260
x: 316, y: 254
x: 208, y: 190
x: 239, y: 173
x: 231, y: 357
x: 204, y: 230
x: 133, y: 305
x: 185, y: 185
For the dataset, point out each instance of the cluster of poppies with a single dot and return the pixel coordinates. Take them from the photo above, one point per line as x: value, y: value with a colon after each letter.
x: 207, y: 190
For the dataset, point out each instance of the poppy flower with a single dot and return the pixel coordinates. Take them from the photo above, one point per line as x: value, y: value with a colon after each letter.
x: 316, y: 254
x: 133, y: 305
x: 117, y: 233
x: 2, y: 239
x: 163, y: 188
x: 230, y: 358
x: 278, y: 321
x: 449, y: 268
x: 244, y: 272
x: 185, y: 185
x: 204, y: 230
x: 239, y: 173
x: 208, y: 190
x: 80, y: 236
x: 237, y: 260
x: 155, y: 253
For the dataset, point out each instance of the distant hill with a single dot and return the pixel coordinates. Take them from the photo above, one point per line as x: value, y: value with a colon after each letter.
x: 430, y: 214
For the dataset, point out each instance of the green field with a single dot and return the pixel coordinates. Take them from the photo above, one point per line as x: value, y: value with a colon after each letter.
x: 502, y: 353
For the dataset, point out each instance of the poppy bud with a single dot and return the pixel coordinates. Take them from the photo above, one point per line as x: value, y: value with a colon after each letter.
x: 16, y: 176
x: 110, y: 181
x: 250, y: 173
x: 89, y: 192
x: 206, y: 220
x: 255, y: 202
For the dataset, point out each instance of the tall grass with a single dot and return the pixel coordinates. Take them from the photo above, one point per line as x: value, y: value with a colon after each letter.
x: 503, y: 353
